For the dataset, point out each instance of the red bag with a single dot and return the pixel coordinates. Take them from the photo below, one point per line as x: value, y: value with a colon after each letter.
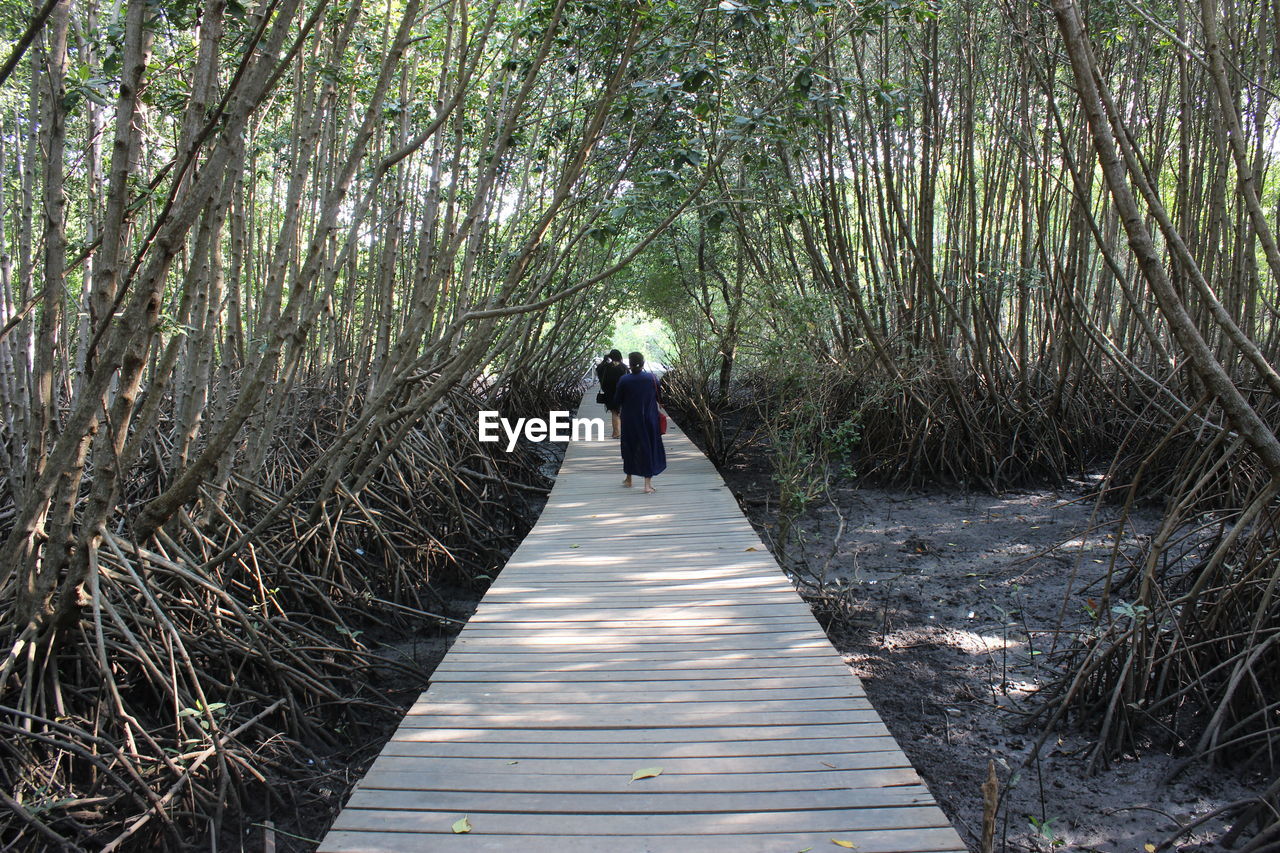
x: 662, y: 416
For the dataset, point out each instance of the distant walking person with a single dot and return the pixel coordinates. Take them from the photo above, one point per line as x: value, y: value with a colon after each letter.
x: 604, y: 362
x: 609, y: 372
x: 636, y: 398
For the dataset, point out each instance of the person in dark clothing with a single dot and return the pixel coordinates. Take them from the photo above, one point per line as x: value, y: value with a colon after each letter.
x: 609, y: 372
x: 636, y: 400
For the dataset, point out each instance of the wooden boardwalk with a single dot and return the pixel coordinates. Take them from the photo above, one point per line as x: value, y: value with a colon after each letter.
x: 633, y: 631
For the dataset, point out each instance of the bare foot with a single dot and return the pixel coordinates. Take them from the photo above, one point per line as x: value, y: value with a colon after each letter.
x: 627, y: 482
x: 648, y: 490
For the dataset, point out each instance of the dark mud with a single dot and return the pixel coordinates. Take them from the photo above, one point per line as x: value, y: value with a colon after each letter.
x: 954, y: 610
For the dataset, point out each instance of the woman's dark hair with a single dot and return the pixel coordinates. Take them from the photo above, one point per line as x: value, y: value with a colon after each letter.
x: 637, y: 362
x: 615, y: 355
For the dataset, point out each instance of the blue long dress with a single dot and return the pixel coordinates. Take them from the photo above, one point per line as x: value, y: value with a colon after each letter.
x: 636, y: 398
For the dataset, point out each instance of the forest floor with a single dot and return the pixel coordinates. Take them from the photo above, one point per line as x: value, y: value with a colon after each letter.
x: 951, y: 601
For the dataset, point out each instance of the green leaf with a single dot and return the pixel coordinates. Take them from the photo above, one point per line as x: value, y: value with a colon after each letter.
x: 461, y: 825
x: 646, y: 773
x: 695, y: 80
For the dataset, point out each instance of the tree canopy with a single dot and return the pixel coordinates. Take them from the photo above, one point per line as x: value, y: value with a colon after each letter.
x: 261, y: 260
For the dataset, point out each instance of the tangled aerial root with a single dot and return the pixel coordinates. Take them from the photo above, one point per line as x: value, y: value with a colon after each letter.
x: 194, y: 693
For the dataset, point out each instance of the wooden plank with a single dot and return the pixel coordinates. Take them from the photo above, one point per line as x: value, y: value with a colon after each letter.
x: 642, y: 754
x: 603, y: 586
x: 684, y: 693
x: 671, y: 594
x: 709, y: 621
x: 678, y: 567
x: 639, y: 671
x: 737, y: 552
x: 515, y: 780
x: 706, y: 655
x: 749, y: 765
x: 530, y: 662
x: 506, y: 691
x: 544, y: 611
x: 672, y: 535
x: 651, y: 633
x: 608, y: 551
x: 671, y: 515
x: 531, y: 620
x: 758, y: 646
x: 698, y: 606
x: 610, y: 594
x: 816, y: 820
x: 710, y: 662
x: 877, y: 841
x: 716, y: 625
x: 671, y: 717
x: 681, y: 565
x: 605, y: 713
x: 639, y: 656
x: 702, y: 734
x: 647, y: 674
x: 604, y: 600
x: 792, y: 634
x: 637, y: 800
x: 591, y: 508
x: 783, y: 623
x: 607, y: 537
x: 639, y: 630
x: 626, y: 577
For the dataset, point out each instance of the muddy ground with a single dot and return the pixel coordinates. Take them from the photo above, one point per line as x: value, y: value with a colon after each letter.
x: 951, y: 605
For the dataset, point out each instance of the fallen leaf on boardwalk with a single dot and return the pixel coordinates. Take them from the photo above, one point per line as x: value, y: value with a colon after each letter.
x: 462, y: 825
x: 752, y: 548
x: 848, y: 845
x: 1149, y: 847
x: 513, y: 762
x: 575, y: 546
x: 825, y: 764
x: 806, y: 850
x: 646, y: 773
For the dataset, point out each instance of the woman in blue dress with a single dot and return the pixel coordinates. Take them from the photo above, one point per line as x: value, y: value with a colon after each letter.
x: 636, y: 398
